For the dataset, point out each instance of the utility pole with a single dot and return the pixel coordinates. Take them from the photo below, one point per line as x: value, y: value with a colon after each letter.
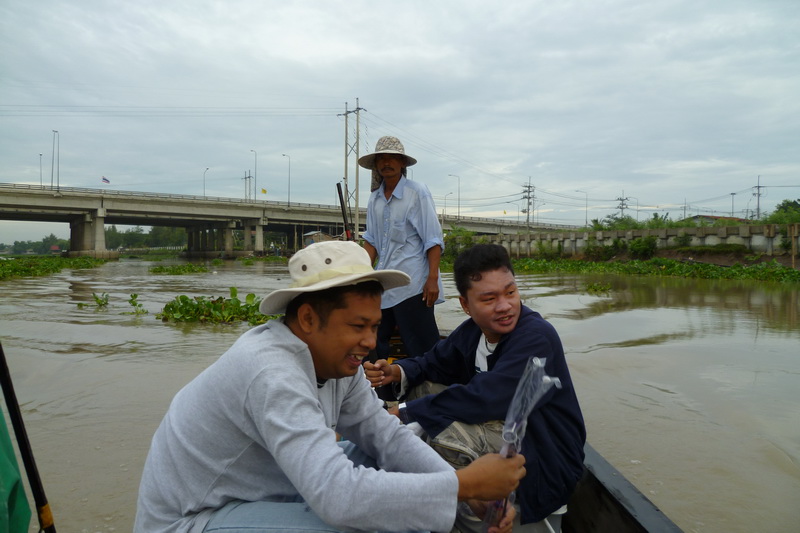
x: 247, y: 177
x: 757, y: 194
x: 347, y: 149
x: 622, y: 204
x: 528, y: 194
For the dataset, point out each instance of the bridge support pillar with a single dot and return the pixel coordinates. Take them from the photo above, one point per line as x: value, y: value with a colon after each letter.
x: 88, y: 236
x: 191, y: 239
x: 254, y: 235
x: 259, y: 244
x: 227, y: 238
x: 248, y: 236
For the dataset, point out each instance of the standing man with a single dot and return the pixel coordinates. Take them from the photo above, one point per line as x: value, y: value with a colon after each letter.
x: 403, y: 233
x: 461, y: 390
x: 250, y: 444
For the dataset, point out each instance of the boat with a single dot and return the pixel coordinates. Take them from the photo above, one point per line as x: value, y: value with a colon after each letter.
x: 604, y: 500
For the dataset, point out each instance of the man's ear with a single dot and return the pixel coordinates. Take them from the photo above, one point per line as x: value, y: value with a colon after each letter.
x: 306, y: 318
x: 464, y: 304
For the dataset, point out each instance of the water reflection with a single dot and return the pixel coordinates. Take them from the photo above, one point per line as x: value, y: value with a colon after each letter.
x: 769, y: 305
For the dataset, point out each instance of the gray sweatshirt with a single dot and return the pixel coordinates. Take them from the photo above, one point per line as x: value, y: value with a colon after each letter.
x: 254, y: 426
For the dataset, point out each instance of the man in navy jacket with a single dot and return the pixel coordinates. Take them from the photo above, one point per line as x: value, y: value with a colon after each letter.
x: 479, y: 366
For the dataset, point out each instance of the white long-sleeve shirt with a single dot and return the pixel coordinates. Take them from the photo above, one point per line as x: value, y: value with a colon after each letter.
x: 254, y: 426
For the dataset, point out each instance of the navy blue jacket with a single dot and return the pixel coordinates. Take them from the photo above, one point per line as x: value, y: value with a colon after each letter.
x: 554, y: 438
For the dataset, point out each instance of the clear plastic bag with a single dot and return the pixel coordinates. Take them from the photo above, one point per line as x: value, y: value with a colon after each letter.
x: 532, y: 386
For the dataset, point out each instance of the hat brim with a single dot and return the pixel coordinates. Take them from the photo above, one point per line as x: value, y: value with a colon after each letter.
x: 368, y: 161
x: 275, y: 303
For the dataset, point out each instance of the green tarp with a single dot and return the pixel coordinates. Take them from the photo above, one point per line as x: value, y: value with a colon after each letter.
x: 15, y: 514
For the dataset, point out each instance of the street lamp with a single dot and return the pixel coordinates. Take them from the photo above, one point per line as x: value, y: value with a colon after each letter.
x: 459, y: 194
x: 732, y: 195
x: 289, y: 190
x: 53, y: 160
x: 204, y: 182
x: 444, y: 211
x: 637, y: 206
x: 40, y: 171
x: 255, y: 176
x: 538, y: 214
x: 587, y: 206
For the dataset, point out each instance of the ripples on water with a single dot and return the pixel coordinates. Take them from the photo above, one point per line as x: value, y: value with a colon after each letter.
x: 689, y: 387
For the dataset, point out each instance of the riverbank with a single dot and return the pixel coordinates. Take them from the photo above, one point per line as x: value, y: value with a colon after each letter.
x: 689, y: 266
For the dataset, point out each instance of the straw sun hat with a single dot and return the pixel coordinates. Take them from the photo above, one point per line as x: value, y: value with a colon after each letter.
x: 386, y: 145
x: 329, y: 264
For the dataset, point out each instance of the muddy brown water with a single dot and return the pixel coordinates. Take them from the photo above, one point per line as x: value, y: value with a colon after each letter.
x: 691, y: 388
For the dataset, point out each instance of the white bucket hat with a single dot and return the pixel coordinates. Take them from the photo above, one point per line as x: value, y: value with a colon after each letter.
x: 386, y: 145
x: 323, y: 265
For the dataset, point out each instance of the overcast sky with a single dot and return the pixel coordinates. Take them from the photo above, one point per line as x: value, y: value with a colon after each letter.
x: 672, y: 104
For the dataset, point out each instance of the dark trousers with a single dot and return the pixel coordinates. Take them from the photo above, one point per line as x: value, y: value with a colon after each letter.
x: 418, y: 331
x: 417, y: 325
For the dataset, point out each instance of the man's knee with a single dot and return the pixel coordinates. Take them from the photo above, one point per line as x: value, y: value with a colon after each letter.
x: 460, y: 444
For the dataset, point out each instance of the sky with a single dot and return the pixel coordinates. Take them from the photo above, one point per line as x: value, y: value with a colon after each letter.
x: 665, y: 107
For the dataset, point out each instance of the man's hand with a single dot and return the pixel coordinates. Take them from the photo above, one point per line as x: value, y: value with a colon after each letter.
x: 381, y: 372
x: 490, y: 477
x: 479, y: 507
x: 430, y: 291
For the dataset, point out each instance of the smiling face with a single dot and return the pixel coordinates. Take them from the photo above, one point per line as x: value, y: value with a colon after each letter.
x: 390, y: 166
x: 493, y: 302
x: 339, y: 346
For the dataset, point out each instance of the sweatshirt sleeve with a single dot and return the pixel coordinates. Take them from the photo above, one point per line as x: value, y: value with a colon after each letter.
x: 483, y: 396
x: 423, y: 491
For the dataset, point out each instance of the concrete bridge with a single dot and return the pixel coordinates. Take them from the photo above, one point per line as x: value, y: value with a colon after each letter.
x: 209, y: 221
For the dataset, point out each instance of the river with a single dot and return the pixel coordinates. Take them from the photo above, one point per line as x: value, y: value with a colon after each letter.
x: 689, y: 387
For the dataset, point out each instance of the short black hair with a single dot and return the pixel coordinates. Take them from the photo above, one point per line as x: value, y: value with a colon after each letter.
x: 325, y: 301
x: 473, y: 262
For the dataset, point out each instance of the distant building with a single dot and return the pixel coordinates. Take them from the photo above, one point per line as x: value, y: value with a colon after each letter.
x: 55, y: 250
x: 315, y: 236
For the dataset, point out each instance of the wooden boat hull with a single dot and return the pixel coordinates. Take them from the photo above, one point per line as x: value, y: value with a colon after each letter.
x: 605, y: 501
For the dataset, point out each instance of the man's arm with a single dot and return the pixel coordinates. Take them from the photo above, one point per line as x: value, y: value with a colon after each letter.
x: 430, y: 291
x: 473, y: 398
x: 490, y: 477
x: 372, y: 251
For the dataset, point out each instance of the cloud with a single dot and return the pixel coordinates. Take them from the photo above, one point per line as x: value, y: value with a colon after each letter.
x: 670, y: 101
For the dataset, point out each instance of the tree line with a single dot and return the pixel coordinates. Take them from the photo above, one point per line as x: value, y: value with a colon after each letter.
x: 786, y: 212
x: 131, y: 238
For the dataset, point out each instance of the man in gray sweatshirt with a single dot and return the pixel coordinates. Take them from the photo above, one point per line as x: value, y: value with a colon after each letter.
x: 251, y: 443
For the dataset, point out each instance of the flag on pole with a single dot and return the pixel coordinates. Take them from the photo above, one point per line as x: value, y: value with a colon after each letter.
x: 105, y: 180
x: 263, y: 191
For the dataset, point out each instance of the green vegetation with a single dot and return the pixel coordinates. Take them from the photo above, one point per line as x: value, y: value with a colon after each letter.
x: 138, y: 309
x: 595, y: 251
x: 31, y: 266
x: 100, y: 301
x: 598, y: 288
x: 178, y: 270
x: 202, y: 309
x: 786, y: 212
x: 768, y: 271
x: 643, y: 247
x: 137, y: 238
x: 50, y: 245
